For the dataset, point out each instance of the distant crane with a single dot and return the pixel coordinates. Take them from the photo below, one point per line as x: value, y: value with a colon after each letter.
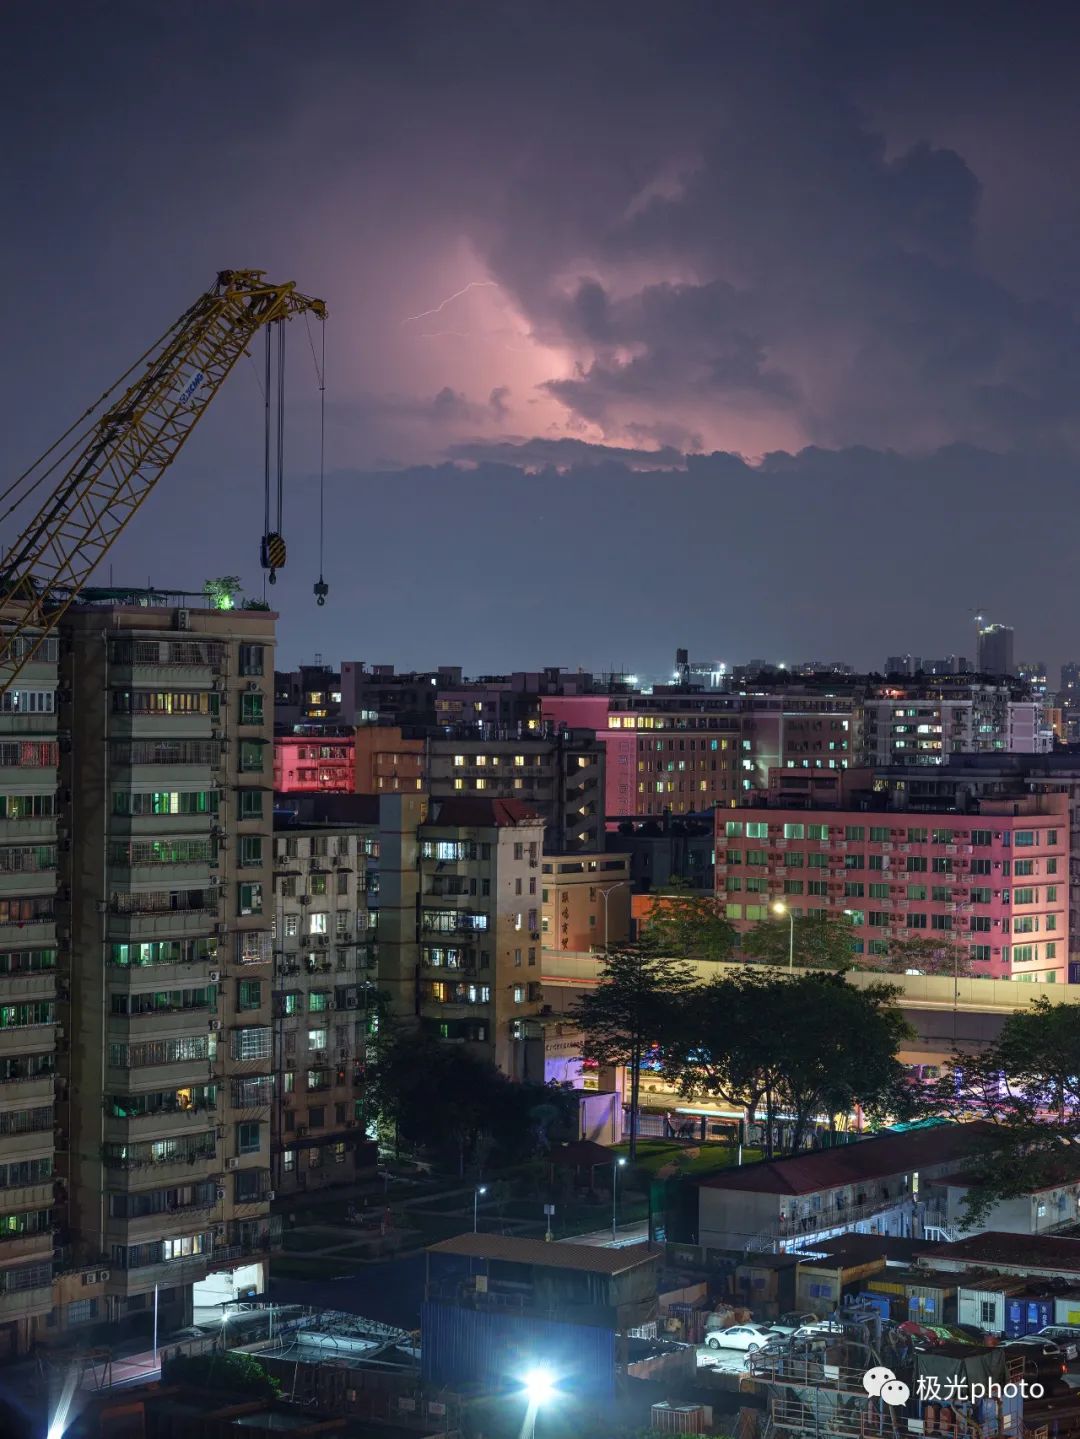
x: 112, y: 462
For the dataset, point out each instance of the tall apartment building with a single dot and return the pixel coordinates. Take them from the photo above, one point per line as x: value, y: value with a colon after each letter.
x: 922, y: 726
x: 559, y: 775
x: 993, y: 880
x: 995, y: 650
x: 307, y: 697
x: 164, y: 719
x: 459, y: 919
x: 323, y: 1000
x: 32, y: 1200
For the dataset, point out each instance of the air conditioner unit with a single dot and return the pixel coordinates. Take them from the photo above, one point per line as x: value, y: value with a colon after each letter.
x: 214, y: 1025
x: 90, y: 1278
x: 220, y: 1192
x: 232, y: 1164
x: 222, y: 930
x: 103, y: 1276
x: 59, y: 1031
x: 215, y: 976
x: 301, y: 1130
x: 270, y: 1196
x: 253, y: 687
x: 183, y: 619
x: 219, y: 1231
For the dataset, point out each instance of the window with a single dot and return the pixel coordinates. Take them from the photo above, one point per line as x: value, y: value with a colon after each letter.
x: 916, y: 891
x: 251, y: 659
x: 251, y: 1042
x: 793, y: 886
x: 1051, y: 836
x: 757, y: 829
x: 1024, y: 895
x: 1024, y: 838
x: 854, y: 832
x: 251, y: 851
x: 733, y: 829
x: 879, y: 834
x: 980, y: 953
x: 794, y: 831
x: 916, y: 921
x: 917, y: 836
x: 980, y: 895
x: 251, y: 804
x: 942, y: 865
x: 247, y: 1138
x: 316, y: 1039
x: 818, y: 831
x: 878, y: 919
x: 853, y: 890
x: 941, y: 921
x: 251, y: 709
x: 251, y: 756
x: 249, y: 994
x: 916, y: 864
x: 249, y: 898
x: 319, y: 922
x: 981, y: 838
x: 318, y: 1001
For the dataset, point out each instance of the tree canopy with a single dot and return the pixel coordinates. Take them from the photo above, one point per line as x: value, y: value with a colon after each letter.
x: 688, y: 925
x: 632, y: 1008
x: 809, y: 1046
x: 820, y: 942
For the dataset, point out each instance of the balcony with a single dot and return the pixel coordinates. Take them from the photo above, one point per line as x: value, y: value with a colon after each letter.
x: 162, y: 1124
x: 21, y: 1093
x: 29, y: 934
x: 31, y: 1037
x: 183, y: 876
x: 168, y: 1224
x: 834, y: 1217
x: 138, y: 1174
x: 24, y: 1303
x: 171, y: 924
x: 28, y: 1196
x: 167, y: 1273
x: 15, y: 987
x: 125, y: 1028
x: 26, y: 1246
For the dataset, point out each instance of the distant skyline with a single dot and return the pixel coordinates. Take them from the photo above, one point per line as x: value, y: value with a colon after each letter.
x: 746, y: 327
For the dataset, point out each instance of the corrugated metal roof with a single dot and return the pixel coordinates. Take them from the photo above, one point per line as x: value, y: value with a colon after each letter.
x: 466, y: 812
x: 856, y: 1163
x: 538, y: 1252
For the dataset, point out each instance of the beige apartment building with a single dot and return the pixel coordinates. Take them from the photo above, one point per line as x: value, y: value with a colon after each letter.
x: 584, y: 901
x: 459, y: 919
x: 323, y: 998
x: 164, y: 910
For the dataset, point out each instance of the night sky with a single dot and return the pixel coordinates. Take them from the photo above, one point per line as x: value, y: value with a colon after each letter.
x: 751, y: 328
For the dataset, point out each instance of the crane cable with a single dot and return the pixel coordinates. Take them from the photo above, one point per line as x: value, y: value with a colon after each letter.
x: 321, y: 588
x: 272, y: 550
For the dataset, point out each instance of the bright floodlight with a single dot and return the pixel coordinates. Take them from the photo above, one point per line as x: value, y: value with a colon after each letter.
x: 620, y: 1161
x: 539, y: 1386
x: 779, y: 908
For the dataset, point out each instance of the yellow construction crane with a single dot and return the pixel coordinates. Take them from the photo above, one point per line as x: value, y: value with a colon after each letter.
x: 109, y: 464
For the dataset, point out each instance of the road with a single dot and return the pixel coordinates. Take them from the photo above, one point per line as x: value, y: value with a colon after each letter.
x: 601, y: 1238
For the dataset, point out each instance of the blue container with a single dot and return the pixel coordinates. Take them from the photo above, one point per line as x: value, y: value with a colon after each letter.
x: 1038, y: 1314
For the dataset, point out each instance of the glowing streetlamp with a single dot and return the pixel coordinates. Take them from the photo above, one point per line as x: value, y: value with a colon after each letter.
x: 616, y: 1166
x: 781, y: 908
x: 482, y: 1189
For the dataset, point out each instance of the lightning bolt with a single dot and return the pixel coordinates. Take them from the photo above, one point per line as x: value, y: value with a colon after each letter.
x: 472, y: 285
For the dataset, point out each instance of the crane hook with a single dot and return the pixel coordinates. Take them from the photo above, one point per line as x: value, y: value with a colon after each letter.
x: 322, y: 589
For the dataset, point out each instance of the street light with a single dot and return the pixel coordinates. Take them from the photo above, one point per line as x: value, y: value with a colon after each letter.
x: 482, y: 1189
x: 622, y: 884
x: 781, y: 908
x: 616, y: 1166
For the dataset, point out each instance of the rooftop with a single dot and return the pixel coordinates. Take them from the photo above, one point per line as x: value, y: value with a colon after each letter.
x: 856, y: 1163
x: 540, y: 1254
x: 1013, y: 1251
x: 849, y: 1250
x: 469, y: 813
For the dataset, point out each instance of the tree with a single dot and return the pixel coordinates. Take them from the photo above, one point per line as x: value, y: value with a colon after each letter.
x: 630, y: 1009
x: 821, y: 942
x: 222, y: 592
x: 689, y: 925
x: 922, y: 954
x: 1025, y: 1088
x: 230, y: 1372
x: 443, y: 1099
x: 811, y: 1046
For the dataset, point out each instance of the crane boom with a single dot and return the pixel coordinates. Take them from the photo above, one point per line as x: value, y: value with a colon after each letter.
x: 125, y: 452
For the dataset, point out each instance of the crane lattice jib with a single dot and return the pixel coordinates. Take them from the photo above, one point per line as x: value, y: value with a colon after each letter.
x: 126, y: 452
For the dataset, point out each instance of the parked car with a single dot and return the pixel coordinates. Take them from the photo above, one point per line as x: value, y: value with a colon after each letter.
x: 817, y: 1329
x: 1066, y: 1335
x: 1044, y: 1358
x: 747, y: 1337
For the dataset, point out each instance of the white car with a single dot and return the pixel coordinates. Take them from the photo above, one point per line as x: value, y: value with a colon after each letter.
x: 746, y: 1337
x: 823, y: 1329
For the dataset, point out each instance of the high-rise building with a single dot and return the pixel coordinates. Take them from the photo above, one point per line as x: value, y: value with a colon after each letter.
x: 31, y: 1197
x: 995, y: 653
x: 925, y: 725
x: 324, y: 993
x: 459, y: 932
x: 164, y: 719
